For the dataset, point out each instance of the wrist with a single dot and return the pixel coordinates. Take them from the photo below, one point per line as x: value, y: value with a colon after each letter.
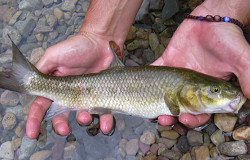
x: 239, y: 9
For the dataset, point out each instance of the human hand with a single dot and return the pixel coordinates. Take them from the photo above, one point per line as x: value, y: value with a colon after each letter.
x: 217, y: 49
x: 80, y: 54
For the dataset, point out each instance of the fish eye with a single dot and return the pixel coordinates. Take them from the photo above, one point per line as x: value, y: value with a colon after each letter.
x: 215, y: 89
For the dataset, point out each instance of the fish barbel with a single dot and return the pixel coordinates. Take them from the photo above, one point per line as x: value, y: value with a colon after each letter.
x: 145, y: 91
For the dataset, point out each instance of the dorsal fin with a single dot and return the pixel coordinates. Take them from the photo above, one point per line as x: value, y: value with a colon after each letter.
x: 116, y: 51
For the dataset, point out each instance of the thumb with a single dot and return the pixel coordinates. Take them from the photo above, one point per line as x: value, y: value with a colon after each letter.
x: 244, y: 79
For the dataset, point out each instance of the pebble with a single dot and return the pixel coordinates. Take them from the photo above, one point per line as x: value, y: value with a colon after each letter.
x: 7, y: 16
x: 162, y: 128
x: 243, y: 157
x: 27, y: 148
x: 182, y: 130
x: 202, y: 153
x: 182, y: 144
x: 6, y: 151
x: 132, y: 147
x: 53, y: 34
x: 51, y: 20
x: 39, y: 37
x: 170, y: 134
x: 210, y: 129
x: 42, y: 28
x: 20, y: 129
x: 154, y: 148
x: 167, y: 142
x: 225, y: 121
x: 217, y: 137
x: 36, y: 54
x: 148, y: 138
x: 206, y: 139
x: 14, y: 18
x: 47, y: 3
x: 9, y: 121
x: 17, y: 111
x: 14, y: 34
x: 153, y: 41
x: 159, y: 51
x: 30, y: 5
x: 41, y: 155
x: 194, y: 3
x: 156, y: 5
x: 69, y: 5
x: 67, y: 15
x: 120, y: 125
x: 58, y: 13
x: 158, y: 27
x: 233, y: 148
x: 9, y: 98
x: 170, y: 9
x: 171, y: 154
x: 195, y: 138
x: 144, y: 148
x: 242, y: 133
x: 186, y: 156
x: 131, y: 34
x: 85, y: 6
x: 16, y: 143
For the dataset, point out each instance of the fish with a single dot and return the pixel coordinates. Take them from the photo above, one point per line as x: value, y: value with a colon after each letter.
x: 144, y: 91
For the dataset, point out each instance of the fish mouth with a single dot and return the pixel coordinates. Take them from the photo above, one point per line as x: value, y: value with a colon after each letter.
x: 236, y: 103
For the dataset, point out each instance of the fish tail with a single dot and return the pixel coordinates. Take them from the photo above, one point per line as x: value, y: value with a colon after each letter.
x: 21, y: 68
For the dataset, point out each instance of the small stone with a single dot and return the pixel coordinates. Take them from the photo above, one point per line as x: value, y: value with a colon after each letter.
x: 162, y: 128
x: 141, y: 34
x: 7, y: 16
x: 133, y: 45
x: 53, y: 34
x: 170, y: 8
x: 69, y: 5
x: 144, y: 148
x: 131, y: 34
x: 20, y: 129
x: 170, y: 134
x: 182, y: 144
x: 169, y: 143
x: 194, y: 3
x: 148, y: 138
x: 233, y: 148
x: 58, y: 13
x: 47, y: 3
x: 242, y: 133
x: 9, y: 121
x: 180, y: 129
x: 17, y: 111
x: 42, y: 28
x: 36, y: 54
x: 30, y: 5
x: 214, y: 152
x: 16, y: 143
x: 217, y: 137
x: 39, y: 37
x: 154, y: 149
x: 243, y: 157
x: 159, y: 51
x: 202, y: 153
x: 156, y: 5
x: 67, y: 15
x: 186, y: 156
x: 206, y: 139
x: 41, y: 155
x: 120, y: 125
x: 130, y: 62
x: 14, y: 18
x: 158, y: 27
x: 148, y: 55
x: 9, y: 98
x: 210, y: 129
x: 171, y: 154
x: 132, y: 147
x: 153, y: 41
x: 85, y: 6
x: 225, y: 121
x: 51, y: 20
x: 195, y: 138
x: 6, y: 151
x: 14, y: 35
x: 170, y: 23
x: 27, y: 148
x: 123, y: 143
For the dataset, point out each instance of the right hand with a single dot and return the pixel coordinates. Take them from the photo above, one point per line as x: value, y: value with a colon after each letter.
x: 81, y: 54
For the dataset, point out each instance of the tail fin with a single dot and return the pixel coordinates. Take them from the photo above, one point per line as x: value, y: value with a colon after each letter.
x: 13, y: 80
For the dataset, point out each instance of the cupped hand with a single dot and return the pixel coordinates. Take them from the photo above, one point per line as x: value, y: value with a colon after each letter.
x: 80, y: 54
x: 216, y: 49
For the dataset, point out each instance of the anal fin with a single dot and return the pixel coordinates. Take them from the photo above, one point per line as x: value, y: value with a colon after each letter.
x: 54, y: 110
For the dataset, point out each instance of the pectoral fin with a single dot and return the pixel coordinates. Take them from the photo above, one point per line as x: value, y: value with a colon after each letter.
x: 116, y: 51
x: 174, y: 109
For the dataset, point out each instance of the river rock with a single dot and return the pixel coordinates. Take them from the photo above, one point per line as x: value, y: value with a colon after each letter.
x: 154, y: 149
x: 206, y: 139
x: 14, y: 18
x: 9, y: 98
x: 51, y: 20
x: 27, y: 148
x: 47, y: 3
x: 210, y: 129
x: 9, y: 121
x: 243, y: 157
x: 242, y: 133
x: 14, y: 35
x: 144, y: 148
x: 162, y: 128
x: 171, y: 154
x: 131, y: 34
x: 186, y: 156
x: 131, y: 121
x: 169, y: 143
x: 156, y: 5
x: 30, y: 5
x: 20, y: 129
x: 148, y: 138
x: 132, y: 147
x: 17, y: 111
x: 5, y: 151
x: 217, y: 137
x: 170, y: 8
x: 233, y: 148
x: 69, y: 5
x: 195, y: 138
x: 202, y: 153
x: 27, y: 26
x: 41, y: 155
x: 182, y: 130
x: 120, y: 124
x: 7, y: 16
x: 58, y: 13
x: 16, y: 143
x: 153, y: 41
x: 159, y: 51
x: 158, y: 27
x: 182, y: 144
x: 225, y: 121
x: 36, y: 54
x: 170, y: 134
x: 194, y: 3
x: 133, y: 45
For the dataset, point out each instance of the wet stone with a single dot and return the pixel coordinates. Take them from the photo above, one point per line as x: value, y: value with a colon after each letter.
x: 7, y: 16
x: 201, y: 153
x: 159, y: 51
x: 144, y: 148
x: 131, y: 121
x: 58, y: 13
x: 243, y: 157
x: 206, y: 139
x: 233, y: 148
x: 51, y: 20
x: 210, y: 129
x: 171, y: 154
x: 41, y: 155
x: 148, y: 138
x: 131, y: 34
x: 132, y: 147
x: 36, y: 54
x: 167, y: 142
x: 69, y: 5
x: 120, y: 125
x: 17, y: 111
x: 225, y: 121
x: 27, y: 148
x: 217, y: 137
x: 47, y: 3
x: 242, y: 133
x: 154, y: 149
x: 14, y: 18
x: 195, y: 138
x: 170, y: 134
x: 14, y: 34
x: 30, y: 5
x: 9, y: 121
x: 153, y: 41
x: 162, y: 128
x: 6, y: 151
x: 16, y: 143
x: 182, y: 130
x: 186, y: 156
x: 158, y: 27
x: 9, y: 98
x: 170, y: 9
x: 182, y: 144
x: 156, y: 5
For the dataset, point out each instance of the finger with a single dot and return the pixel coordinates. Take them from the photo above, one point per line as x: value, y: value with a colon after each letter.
x: 106, y: 123
x: 192, y: 121
x: 37, y: 111
x: 60, y: 124
x: 245, y: 82
x: 167, y: 120
x: 83, y: 118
